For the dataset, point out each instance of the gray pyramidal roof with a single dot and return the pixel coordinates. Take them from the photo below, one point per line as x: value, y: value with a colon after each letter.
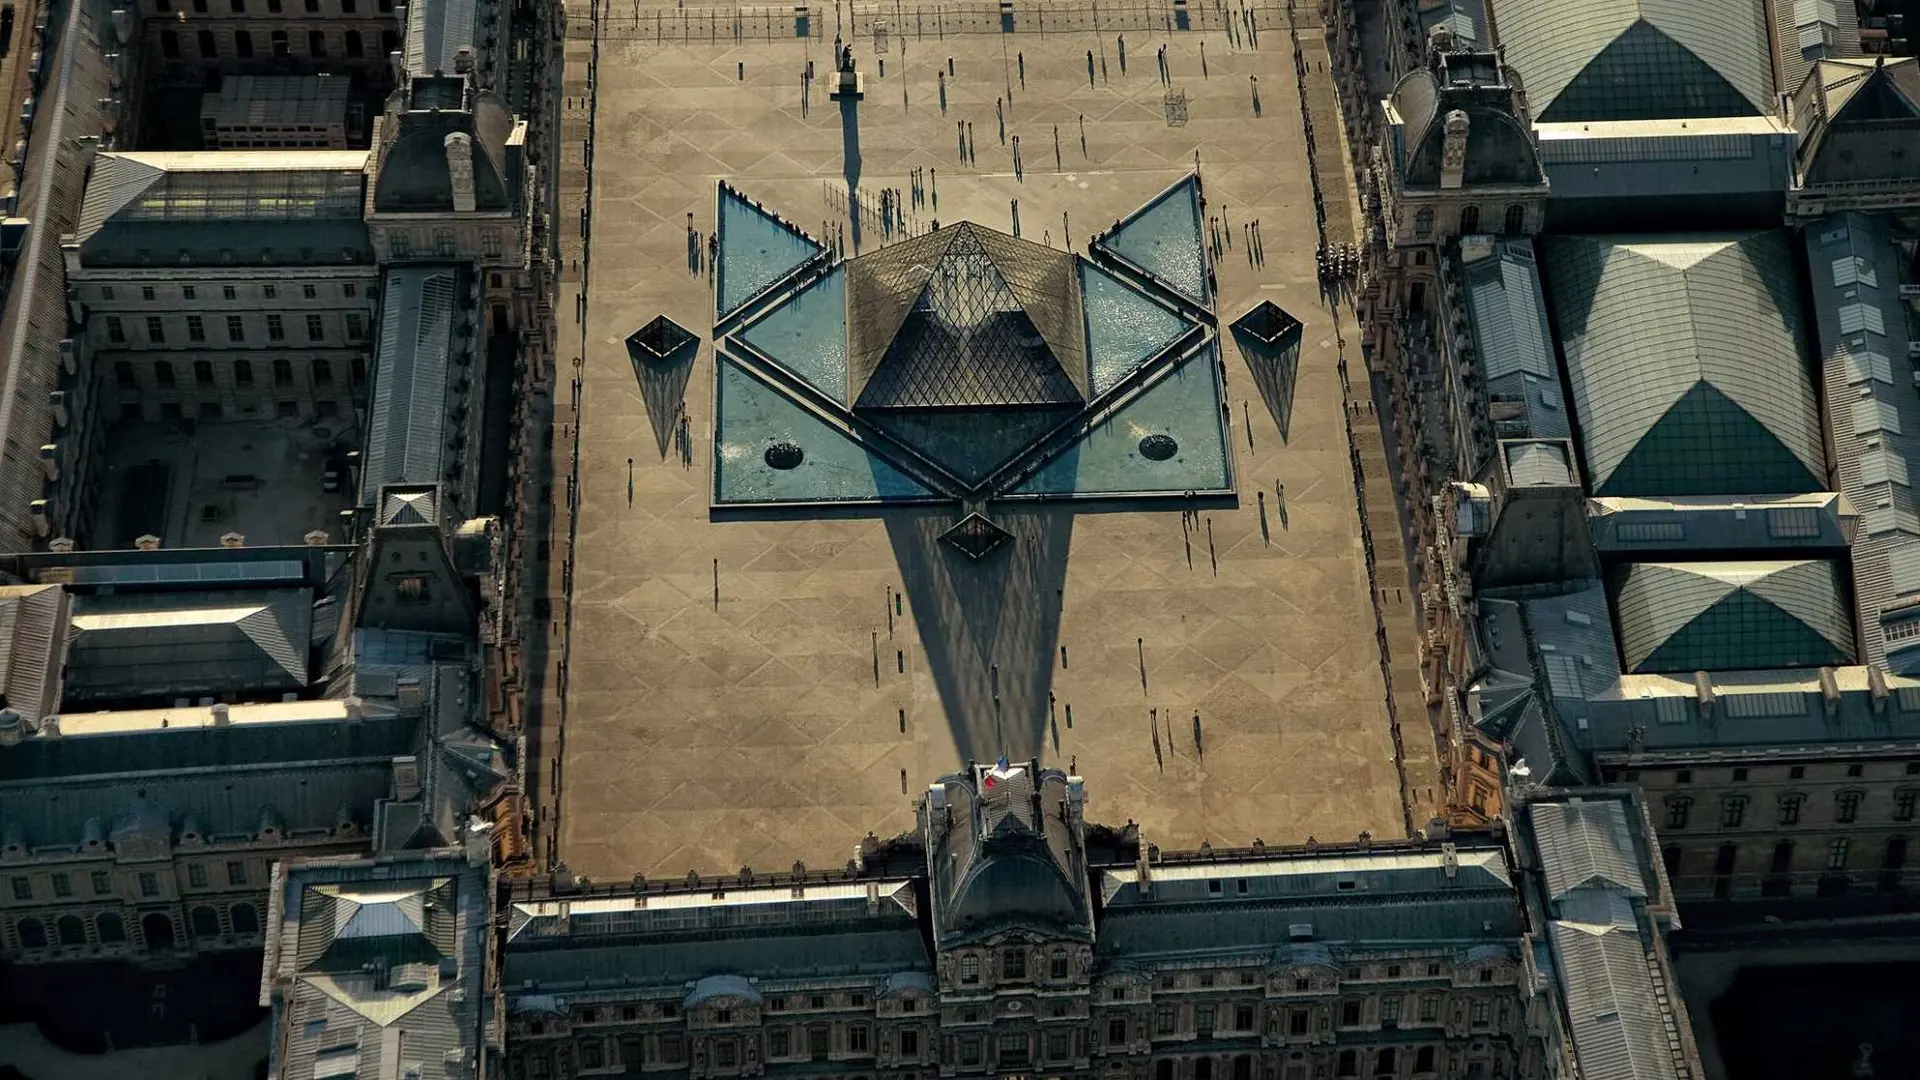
x: 1683, y: 617
x: 965, y: 317
x: 1638, y: 59
x: 1684, y: 354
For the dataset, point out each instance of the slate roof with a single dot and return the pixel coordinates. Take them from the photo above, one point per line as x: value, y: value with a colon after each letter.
x: 1684, y: 357
x: 1874, y: 421
x: 1507, y: 313
x: 965, y: 317
x: 1499, y: 150
x: 1856, y: 118
x: 134, y: 645
x: 33, y: 635
x: 1638, y: 59
x: 377, y: 967
x: 225, y: 207
x: 1002, y: 853
x: 1684, y: 617
x: 848, y: 928
x: 1586, y: 844
x: 425, y: 328
x: 1401, y: 896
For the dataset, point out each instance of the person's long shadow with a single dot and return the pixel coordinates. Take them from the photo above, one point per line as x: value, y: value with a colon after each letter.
x: 990, y: 626
x: 663, y: 385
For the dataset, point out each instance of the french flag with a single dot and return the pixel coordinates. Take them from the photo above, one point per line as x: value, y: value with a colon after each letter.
x: 999, y: 773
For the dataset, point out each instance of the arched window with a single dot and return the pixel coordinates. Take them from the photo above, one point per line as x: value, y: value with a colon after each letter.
x: 1203, y: 1069
x: 33, y: 934
x: 1386, y: 1063
x: 72, y: 930
x: 206, y: 922
x: 1516, y: 222
x: 279, y: 43
x: 169, y: 44
x: 316, y: 45
x: 1349, y: 1063
x: 108, y: 928
x: 163, y: 372
x: 1469, y: 221
x: 157, y: 929
x: 354, y: 48
x: 209, y: 48
x: 243, y: 44
x: 1782, y: 861
x: 244, y: 918
x: 1423, y: 222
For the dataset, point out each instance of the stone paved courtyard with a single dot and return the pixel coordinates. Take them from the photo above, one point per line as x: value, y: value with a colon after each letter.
x: 751, y: 692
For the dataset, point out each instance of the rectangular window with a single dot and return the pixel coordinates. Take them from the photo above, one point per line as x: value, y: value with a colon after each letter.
x: 147, y: 293
x: 673, y: 1049
x: 236, y: 329
x: 909, y: 1043
x: 356, y: 326
x: 724, y: 1051
x: 188, y: 292
x: 106, y: 292
x: 1117, y: 1031
x: 196, y: 329
x: 1349, y: 1014
x: 149, y: 884
x: 969, y: 969
x: 819, y: 1042
x: 1733, y: 811
x: 1243, y: 1018
x: 1430, y: 1009
x: 116, y: 331
x: 1059, y: 1046
x: 236, y: 872
x: 123, y: 374
x: 228, y: 292
x: 1390, y: 1011
x: 1203, y: 1020
x: 349, y: 290
x: 1846, y: 807
x: 1297, y: 1022
x: 1677, y: 810
x: 62, y: 885
x: 399, y: 244
x: 1790, y: 809
x: 203, y: 373
x: 1013, y: 964
x: 778, y: 1043
x: 102, y: 883
x: 1013, y: 1048
x: 1164, y: 1020
x: 22, y: 888
x: 276, y: 330
x: 857, y: 1038
x: 316, y: 328
x: 1057, y: 966
x: 1903, y: 804
x: 1837, y: 854
x: 309, y: 292
x: 242, y: 373
x: 196, y: 875
x: 1481, y: 1012
x: 969, y: 1051
x: 282, y: 372
x: 269, y: 291
x: 490, y: 243
x: 156, y: 330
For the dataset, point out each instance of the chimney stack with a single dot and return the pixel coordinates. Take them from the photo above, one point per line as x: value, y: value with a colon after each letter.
x: 460, y: 170
x: 1453, y: 152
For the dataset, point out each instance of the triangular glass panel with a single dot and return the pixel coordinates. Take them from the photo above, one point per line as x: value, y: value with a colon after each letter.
x: 1163, y: 238
x: 757, y: 248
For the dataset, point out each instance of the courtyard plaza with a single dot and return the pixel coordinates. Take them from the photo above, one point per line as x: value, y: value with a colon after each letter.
x: 758, y: 676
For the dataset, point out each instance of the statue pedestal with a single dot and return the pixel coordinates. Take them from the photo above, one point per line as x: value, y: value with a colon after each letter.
x: 848, y: 86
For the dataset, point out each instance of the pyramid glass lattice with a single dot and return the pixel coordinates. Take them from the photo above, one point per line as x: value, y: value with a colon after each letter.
x: 965, y: 318
x: 976, y: 537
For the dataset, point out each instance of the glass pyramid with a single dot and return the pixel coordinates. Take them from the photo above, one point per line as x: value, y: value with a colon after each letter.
x: 965, y: 318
